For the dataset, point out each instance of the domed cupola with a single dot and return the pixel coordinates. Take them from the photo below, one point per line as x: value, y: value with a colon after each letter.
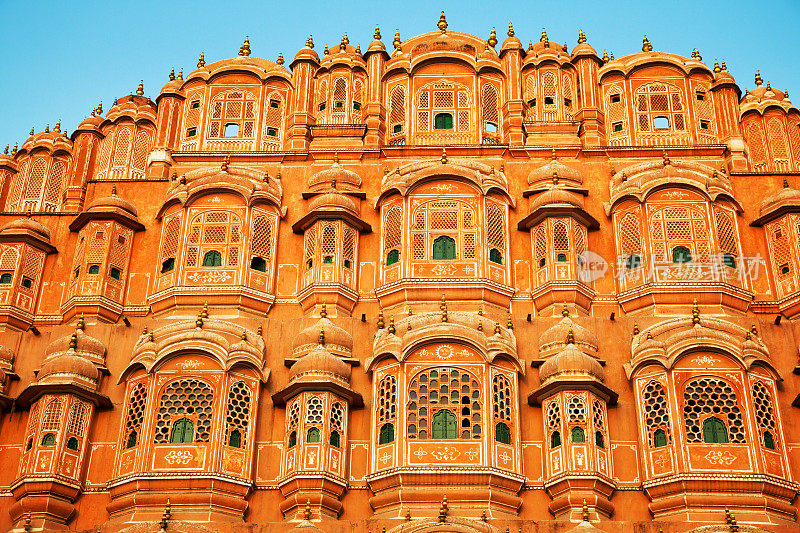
x: 27, y: 230
x: 511, y: 42
x: 78, y: 343
x: 583, y: 48
x: 111, y: 207
x: 567, y: 331
x: 306, y: 54
x: 337, y: 340
x: 571, y: 363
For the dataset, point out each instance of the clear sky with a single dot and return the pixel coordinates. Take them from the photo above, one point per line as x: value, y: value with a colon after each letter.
x: 60, y: 58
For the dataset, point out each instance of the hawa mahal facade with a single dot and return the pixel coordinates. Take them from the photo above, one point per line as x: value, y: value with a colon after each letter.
x: 448, y: 284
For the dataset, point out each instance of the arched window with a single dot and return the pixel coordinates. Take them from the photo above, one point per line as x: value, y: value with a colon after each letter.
x: 659, y: 438
x: 598, y: 417
x: 391, y: 258
x: 334, y: 441
x: 386, y: 434
x: 681, y: 254
x: 576, y: 411
x: 541, y: 246
x: 765, y: 417
x: 397, y: 113
x: 502, y: 433
x: 555, y: 439
x: 577, y: 435
x: 714, y: 430
x: 554, y: 423
x: 495, y: 256
x: 235, y: 439
x: 131, y: 442
x: 258, y: 263
x: 659, y: 107
x: 392, y: 229
x: 443, y: 106
x: 312, y: 435
x: 444, y: 425
x: 328, y: 244
x: 49, y: 439
x: 135, y: 414
x: 182, y: 431
x: 598, y: 439
x: 633, y: 261
x: 336, y: 424
x: 311, y: 247
x: 237, y: 417
x: 170, y: 240
x: 212, y: 259
x: 292, y: 439
x: 726, y: 237
x: 233, y: 114
x: 72, y: 443
x: 94, y: 269
x: 339, y: 94
x: 489, y: 111
x: 709, y: 398
x: 444, y: 247
x: 656, y: 413
x: 261, y: 241
x: 495, y: 232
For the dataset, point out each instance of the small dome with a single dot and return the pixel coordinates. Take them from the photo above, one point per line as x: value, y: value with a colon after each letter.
x: 69, y: 364
x: 336, y: 173
x: 306, y: 54
x: 26, y: 225
x: 766, y: 92
x: 571, y: 361
x: 556, y: 337
x: 91, y: 123
x: 376, y: 46
x: 85, y: 344
x: 511, y: 43
x: 172, y: 86
x: 554, y: 166
x: 113, y: 203
x: 336, y: 338
x: 556, y: 197
x: 331, y: 200
x: 584, y: 49
x: 320, y: 362
x: 783, y: 197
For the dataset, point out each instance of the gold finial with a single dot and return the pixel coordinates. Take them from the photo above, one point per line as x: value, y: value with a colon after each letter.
x: 581, y: 37
x: 47, y: 128
x: 325, y: 51
x: 665, y: 158
x: 443, y: 509
x: 555, y: 177
x: 27, y: 525
x: 280, y: 60
x: 510, y: 29
x: 408, y: 515
x: 225, y: 163
x: 570, y: 336
x: 73, y: 342
x: 28, y: 213
x: 144, y: 330
x: 649, y: 336
x: 509, y: 323
x: 785, y: 183
x: 724, y: 66
x: 310, y: 42
x: 717, y: 70
x: 204, y: 311
x: 172, y: 74
x: 769, y: 86
x: 14, y: 150
x: 57, y: 129
x: 605, y: 56
x: 391, y: 325
x: 444, y: 156
x: 180, y: 75
x: 747, y: 336
x: 6, y: 150
x: 243, y: 336
x: 377, y: 34
x: 480, y: 324
x: 336, y: 157
x: 260, y: 330
x: 396, y: 41
x: 113, y: 190
x: 695, y: 313
x: 483, y: 516
x: 759, y: 81
x: 358, y: 48
x: 140, y: 88
x: 497, y: 328
x: 611, y: 55
x: 343, y: 43
x: 646, y: 46
x: 323, y: 312
x: 321, y: 339
x: 201, y: 61
x: 265, y: 179
x: 635, y: 328
x: 530, y: 46
x: 443, y: 307
x: 246, y: 46
x: 182, y: 180
x: 728, y: 516
x: 694, y: 53
x: 381, y: 324
x: 753, y: 329
x: 565, y: 311
x: 585, y: 511
x: 100, y: 107
x: 150, y: 337
x: 553, y: 154
x: 199, y: 322
x: 442, y: 24
x: 544, y: 39
x: 492, y: 38
x: 307, y: 510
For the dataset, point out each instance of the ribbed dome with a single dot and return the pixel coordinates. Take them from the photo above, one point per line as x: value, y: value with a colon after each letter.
x: 26, y: 225
x: 69, y: 364
x: 91, y: 123
x: 333, y: 199
x: 111, y: 203
x: 320, y: 362
x: 554, y: 166
x: 376, y: 46
x: 85, y: 344
x: 334, y: 336
x: 336, y: 173
x: 766, y: 92
x: 571, y: 361
x: 583, y: 49
x: 556, y: 337
x: 776, y: 200
x: 511, y: 43
x: 556, y: 197
x: 306, y: 54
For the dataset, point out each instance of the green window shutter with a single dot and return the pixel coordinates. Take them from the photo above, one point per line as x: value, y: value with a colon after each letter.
x: 555, y: 439
x: 444, y: 247
x: 659, y: 438
x: 182, y: 431
x: 312, y: 435
x: 292, y: 439
x: 681, y: 254
x: 335, y: 439
x: 444, y: 425
x: 392, y: 257
x: 235, y: 439
x: 502, y: 433
x: 443, y: 121
x: 495, y: 256
x: 714, y: 431
x: 598, y: 439
x: 769, y: 441
x: 578, y: 435
x: 212, y: 259
x: 131, y: 440
x: 387, y: 434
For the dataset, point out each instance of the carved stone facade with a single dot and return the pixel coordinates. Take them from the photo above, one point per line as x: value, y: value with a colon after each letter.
x: 455, y: 285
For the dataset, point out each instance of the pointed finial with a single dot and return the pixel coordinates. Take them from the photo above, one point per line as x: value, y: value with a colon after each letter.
x: 73, y: 342
x: 201, y: 61
x: 140, y: 88
x: 57, y: 129
x: 443, y: 509
x: 543, y: 38
x: 31, y: 130
x: 492, y: 38
x: 509, y: 323
x: 204, y: 311
x: 585, y: 511
x: 199, y: 322
x: 510, y: 29
x: 343, y: 43
x: 635, y: 328
x: 310, y: 42
x: 323, y: 311
x: 113, y: 190
x: 695, y: 313
x: 6, y: 150
x: 497, y: 329
x: 442, y: 24
x: 483, y: 516
x: 377, y: 34
x: 260, y: 330
x: 605, y: 56
x: 565, y: 311
x: 358, y: 48
x: 47, y: 128
x: 307, y: 510
x: 225, y: 163
x: 396, y: 41
x: 665, y: 159
x: 408, y: 514
x: 717, y: 70
x: 443, y: 307
x: 391, y: 326
x: 265, y: 179
x: 759, y: 81
x: 724, y: 66
x: 530, y: 46
x: 27, y: 525
x: 649, y: 336
x: 646, y: 46
x: 246, y: 46
x: 381, y: 324
x: 785, y: 183
x: 753, y: 329
x: 172, y: 74
x: 14, y: 150
x: 100, y: 107
x: 321, y: 339
x: 325, y: 51
x: 581, y: 37
x: 769, y: 86
x: 570, y: 336
x: 611, y: 55
x: 444, y: 156
x: 280, y: 60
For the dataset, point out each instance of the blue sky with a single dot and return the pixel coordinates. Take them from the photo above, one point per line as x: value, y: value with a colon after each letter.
x: 61, y: 58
